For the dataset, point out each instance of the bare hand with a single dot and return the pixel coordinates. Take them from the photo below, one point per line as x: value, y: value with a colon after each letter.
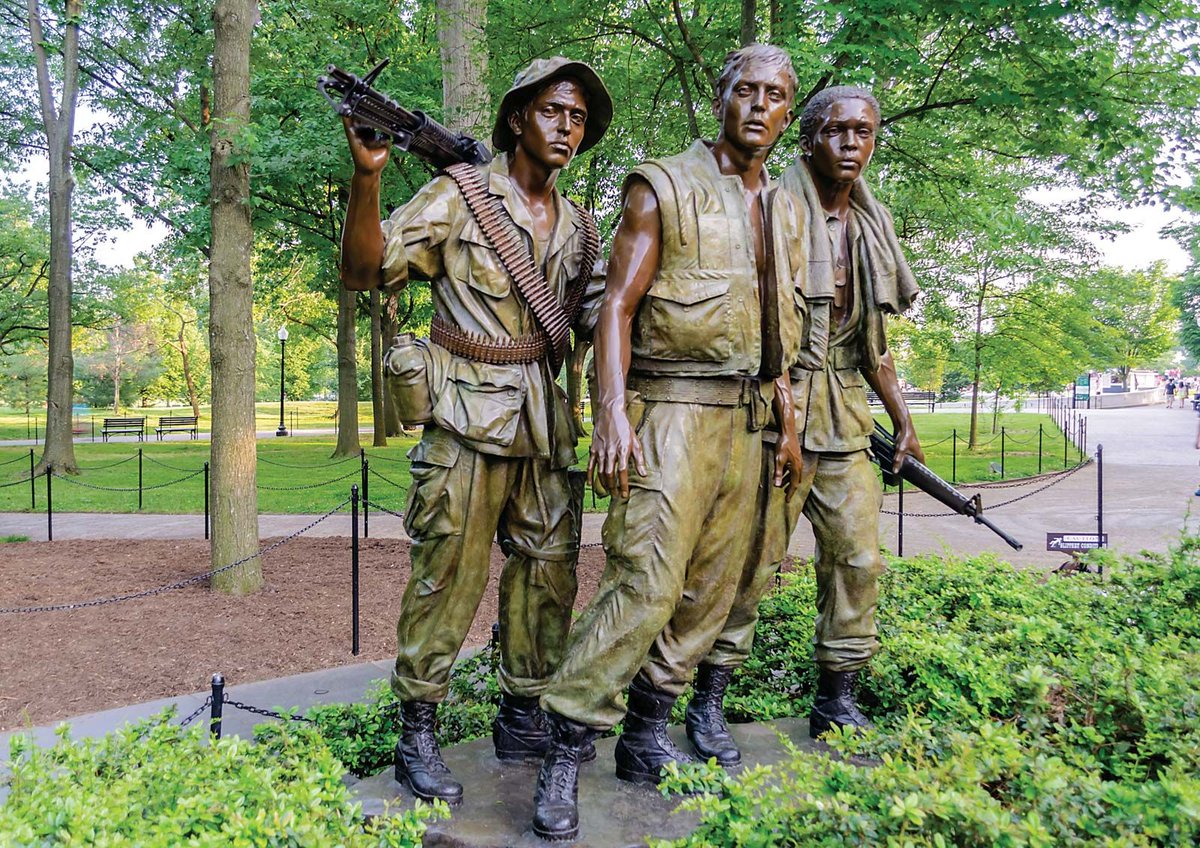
x: 613, y: 442
x: 369, y: 152
x: 907, y: 445
x: 789, y: 462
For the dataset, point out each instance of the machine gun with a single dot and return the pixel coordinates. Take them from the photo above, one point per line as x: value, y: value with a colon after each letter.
x: 883, y: 451
x: 411, y: 131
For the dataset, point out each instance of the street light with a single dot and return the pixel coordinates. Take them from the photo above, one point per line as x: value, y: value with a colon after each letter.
x: 283, y: 334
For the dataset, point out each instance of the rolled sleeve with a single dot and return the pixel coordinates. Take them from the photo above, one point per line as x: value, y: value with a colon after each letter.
x: 415, y: 234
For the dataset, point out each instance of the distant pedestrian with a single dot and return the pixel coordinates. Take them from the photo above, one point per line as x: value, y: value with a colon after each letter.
x: 1170, y: 393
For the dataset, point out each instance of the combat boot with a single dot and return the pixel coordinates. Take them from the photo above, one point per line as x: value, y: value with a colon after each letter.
x: 834, y: 705
x: 521, y: 733
x: 556, y: 804
x: 644, y: 747
x: 705, y: 716
x: 418, y: 758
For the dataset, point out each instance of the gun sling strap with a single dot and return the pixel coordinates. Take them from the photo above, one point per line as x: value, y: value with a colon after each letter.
x: 554, y: 319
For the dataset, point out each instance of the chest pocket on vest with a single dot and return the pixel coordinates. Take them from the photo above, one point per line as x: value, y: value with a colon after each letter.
x: 484, y: 271
x: 687, y: 317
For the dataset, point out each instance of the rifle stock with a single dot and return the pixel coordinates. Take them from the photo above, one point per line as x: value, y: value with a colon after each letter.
x: 411, y: 131
x: 883, y: 451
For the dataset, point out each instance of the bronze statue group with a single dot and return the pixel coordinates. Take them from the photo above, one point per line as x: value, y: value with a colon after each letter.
x: 733, y: 331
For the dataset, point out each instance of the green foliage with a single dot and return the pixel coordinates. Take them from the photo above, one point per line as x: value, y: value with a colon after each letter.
x: 1012, y: 710
x: 155, y: 784
x: 13, y: 537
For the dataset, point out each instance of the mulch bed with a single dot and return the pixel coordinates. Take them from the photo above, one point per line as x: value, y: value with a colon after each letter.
x: 60, y: 664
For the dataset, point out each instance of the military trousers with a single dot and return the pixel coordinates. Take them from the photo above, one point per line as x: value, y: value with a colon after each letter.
x: 840, y: 496
x: 460, y: 499
x: 674, y: 549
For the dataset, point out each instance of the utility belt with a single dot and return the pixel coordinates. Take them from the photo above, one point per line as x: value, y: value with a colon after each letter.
x: 511, y: 350
x: 840, y: 358
x: 749, y: 392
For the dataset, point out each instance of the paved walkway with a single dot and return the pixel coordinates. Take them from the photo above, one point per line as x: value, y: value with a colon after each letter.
x: 1150, y: 473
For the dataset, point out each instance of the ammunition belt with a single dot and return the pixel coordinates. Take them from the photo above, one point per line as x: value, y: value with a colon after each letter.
x: 711, y: 391
x: 511, y: 350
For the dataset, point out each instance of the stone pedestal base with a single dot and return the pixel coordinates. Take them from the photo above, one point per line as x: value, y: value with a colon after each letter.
x: 498, y: 805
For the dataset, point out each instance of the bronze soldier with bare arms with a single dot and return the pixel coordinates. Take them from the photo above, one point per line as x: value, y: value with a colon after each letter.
x: 695, y: 333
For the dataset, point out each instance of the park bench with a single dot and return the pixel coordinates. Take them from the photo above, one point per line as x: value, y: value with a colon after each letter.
x: 911, y: 399
x: 176, y: 424
x: 130, y: 426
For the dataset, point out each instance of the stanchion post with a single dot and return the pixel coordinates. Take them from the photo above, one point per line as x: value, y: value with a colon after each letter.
x: 32, y: 483
x: 954, y: 455
x: 900, y: 521
x: 366, y: 507
x: 354, y: 570
x: 93, y: 428
x: 1065, y: 428
x: 218, y: 704
x: 1100, y: 498
x: 1039, y: 448
x: 49, y: 504
x: 139, y: 479
x: 1002, y: 435
x: 206, y: 500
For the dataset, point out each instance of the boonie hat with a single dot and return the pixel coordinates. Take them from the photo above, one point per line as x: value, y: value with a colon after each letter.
x: 533, y: 78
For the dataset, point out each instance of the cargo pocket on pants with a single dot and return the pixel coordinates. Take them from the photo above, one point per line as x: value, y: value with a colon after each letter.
x: 434, y: 500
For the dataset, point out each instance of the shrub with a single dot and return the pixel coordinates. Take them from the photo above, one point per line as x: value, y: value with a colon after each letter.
x: 156, y: 785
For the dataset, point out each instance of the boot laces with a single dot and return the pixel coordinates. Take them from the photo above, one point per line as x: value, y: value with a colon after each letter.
x: 561, y: 774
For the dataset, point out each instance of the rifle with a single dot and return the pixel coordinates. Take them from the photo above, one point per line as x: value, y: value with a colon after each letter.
x: 411, y: 131
x: 883, y: 451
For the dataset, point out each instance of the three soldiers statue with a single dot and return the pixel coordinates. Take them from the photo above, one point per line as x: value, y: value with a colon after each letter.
x: 733, y: 334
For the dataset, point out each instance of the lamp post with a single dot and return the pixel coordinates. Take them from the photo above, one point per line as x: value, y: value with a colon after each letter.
x: 283, y: 334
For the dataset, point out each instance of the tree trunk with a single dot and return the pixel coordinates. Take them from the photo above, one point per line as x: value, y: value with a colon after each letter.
x: 59, y: 125
x: 391, y: 327
x: 749, y: 22
x: 378, y: 417
x: 187, y: 371
x: 117, y: 370
x: 971, y: 442
x: 231, y: 322
x: 996, y: 409
x: 776, y: 24
x: 462, y: 40
x: 347, y: 408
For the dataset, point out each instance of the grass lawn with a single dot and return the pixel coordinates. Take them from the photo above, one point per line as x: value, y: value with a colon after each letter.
x: 296, y: 475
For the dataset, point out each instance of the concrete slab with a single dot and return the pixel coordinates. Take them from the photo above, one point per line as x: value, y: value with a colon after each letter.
x: 497, y: 808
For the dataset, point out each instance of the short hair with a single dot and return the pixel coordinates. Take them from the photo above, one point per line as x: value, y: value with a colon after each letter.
x: 771, y: 56
x: 826, y: 97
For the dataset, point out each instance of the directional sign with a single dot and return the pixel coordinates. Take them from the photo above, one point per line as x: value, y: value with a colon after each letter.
x: 1076, y: 542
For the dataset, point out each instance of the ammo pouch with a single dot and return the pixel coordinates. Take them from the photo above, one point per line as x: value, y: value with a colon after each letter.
x: 406, y: 365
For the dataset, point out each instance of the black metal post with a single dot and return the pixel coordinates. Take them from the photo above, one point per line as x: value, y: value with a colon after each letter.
x: 1065, y: 428
x: 1079, y: 436
x: 32, y: 483
x: 1100, y: 497
x: 900, y: 521
x: 954, y: 455
x: 354, y: 570
x: 206, y: 500
x: 139, y: 479
x: 362, y: 458
x: 93, y: 428
x: 282, y: 431
x: 35, y: 430
x: 1002, y: 453
x: 218, y: 704
x: 1039, y: 448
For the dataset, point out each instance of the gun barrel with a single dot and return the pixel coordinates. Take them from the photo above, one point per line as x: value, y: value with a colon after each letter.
x: 986, y: 522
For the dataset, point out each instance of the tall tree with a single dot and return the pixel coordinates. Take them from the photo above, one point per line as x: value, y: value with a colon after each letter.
x: 1136, y: 316
x: 231, y: 306
x: 462, y: 43
x: 58, y: 124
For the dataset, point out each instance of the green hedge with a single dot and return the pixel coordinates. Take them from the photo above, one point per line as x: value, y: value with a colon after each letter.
x: 155, y: 785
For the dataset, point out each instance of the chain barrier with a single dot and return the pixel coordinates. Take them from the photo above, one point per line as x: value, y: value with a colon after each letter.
x: 383, y: 508
x: 375, y: 456
x: 58, y: 476
x: 22, y: 458
x: 387, y: 480
x: 938, y: 442
x: 178, y: 584
x: 305, y: 467
x: 238, y: 705
x: 1010, y: 484
x: 345, y: 476
x: 114, y: 464
x: 1054, y: 482
x: 196, y: 712
x: 25, y: 482
x: 149, y: 458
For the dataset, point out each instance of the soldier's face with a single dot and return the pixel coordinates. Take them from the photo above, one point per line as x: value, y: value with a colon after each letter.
x: 551, y: 127
x: 843, y: 142
x: 756, y: 108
